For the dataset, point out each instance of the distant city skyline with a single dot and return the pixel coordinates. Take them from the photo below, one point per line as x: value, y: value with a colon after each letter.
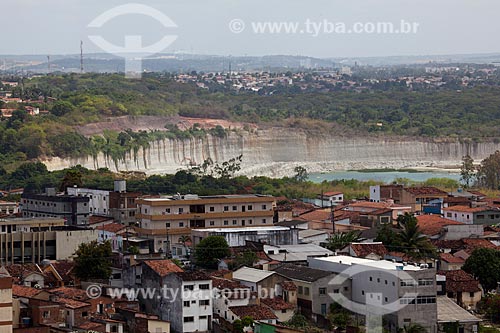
x: 203, y: 27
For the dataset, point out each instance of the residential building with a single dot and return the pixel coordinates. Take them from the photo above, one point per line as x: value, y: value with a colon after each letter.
x: 370, y: 250
x: 327, y: 199
x: 177, y: 215
x: 8, y: 208
x: 389, y: 282
x: 229, y: 293
x: 473, y: 215
x: 449, y: 262
x: 433, y: 225
x: 238, y: 236
x: 73, y: 209
x: 314, y: 289
x: 114, y: 233
x: 460, y: 286
x: 98, y: 199
x: 123, y: 205
x: 311, y: 236
x: 263, y: 282
x: 415, y: 197
x: 256, y: 312
x: 142, y: 322
x: 383, y: 212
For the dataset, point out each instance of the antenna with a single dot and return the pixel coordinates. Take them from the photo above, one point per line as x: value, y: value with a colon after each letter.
x: 81, y: 56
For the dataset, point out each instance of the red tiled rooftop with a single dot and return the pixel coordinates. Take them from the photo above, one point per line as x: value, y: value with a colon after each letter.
x: 432, y: 224
x: 71, y: 293
x: 94, y: 219
x: 288, y: 285
x: 425, y: 190
x: 163, y: 267
x: 460, y: 281
x: 364, y: 249
x: 276, y: 303
x: 317, y: 215
x: 450, y: 258
x: 257, y: 312
x: 468, y: 209
x: 111, y: 227
x: 71, y: 303
x: 331, y: 193
x: 25, y: 292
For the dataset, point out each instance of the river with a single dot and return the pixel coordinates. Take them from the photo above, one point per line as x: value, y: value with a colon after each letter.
x: 382, y: 176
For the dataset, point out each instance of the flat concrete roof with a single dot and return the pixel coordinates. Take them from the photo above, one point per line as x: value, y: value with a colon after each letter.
x: 381, y: 264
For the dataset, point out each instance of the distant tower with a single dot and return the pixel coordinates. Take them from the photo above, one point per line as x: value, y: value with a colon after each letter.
x: 81, y: 56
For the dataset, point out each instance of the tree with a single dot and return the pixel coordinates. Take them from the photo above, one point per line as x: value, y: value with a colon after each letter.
x: 71, y: 178
x: 339, y: 317
x: 301, y: 174
x: 246, y: 258
x: 389, y: 237
x: 210, y: 250
x: 297, y: 321
x: 467, y: 170
x: 60, y: 108
x: 490, y: 307
x: 484, y: 264
x: 340, y: 240
x: 228, y: 168
x: 413, y: 328
x: 412, y: 241
x: 488, y: 174
x: 93, y: 261
x: 183, y: 240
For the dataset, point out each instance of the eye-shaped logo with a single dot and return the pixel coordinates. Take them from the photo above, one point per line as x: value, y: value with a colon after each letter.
x: 133, y: 51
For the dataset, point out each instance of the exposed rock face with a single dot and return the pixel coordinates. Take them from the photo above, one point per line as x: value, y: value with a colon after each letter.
x: 276, y: 152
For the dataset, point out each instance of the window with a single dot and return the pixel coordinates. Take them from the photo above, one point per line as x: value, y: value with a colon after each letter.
x: 226, y: 208
x: 378, y: 280
x: 264, y: 221
x: 226, y: 222
x: 408, y: 283
x: 204, y: 286
x: 480, y: 216
x: 448, y: 215
x: 250, y: 207
x: 235, y: 207
x: 283, y: 311
x: 322, y: 291
x: 181, y: 224
x: 212, y: 209
x: 250, y: 221
x: 425, y: 282
x: 189, y: 287
x: 264, y: 207
x: 85, y: 314
x: 323, y: 309
x: 426, y: 299
x: 46, y: 314
x: 181, y: 210
x: 300, y: 290
x: 306, y: 291
x: 471, y: 295
x: 204, y: 302
x: 188, y: 319
x: 346, y: 288
x: 167, y: 224
x: 371, y: 279
x: 235, y: 222
x: 385, y: 219
x: 167, y: 210
x: 362, y: 292
x: 212, y: 223
x: 336, y: 291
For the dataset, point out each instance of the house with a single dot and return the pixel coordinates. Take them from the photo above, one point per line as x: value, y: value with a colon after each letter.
x: 283, y: 310
x: 432, y: 225
x: 9, y: 208
x: 261, y: 281
x: 311, y: 236
x: 415, y: 197
x: 29, y: 275
x: 6, y: 325
x: 451, y: 314
x: 327, y: 199
x: 229, y: 293
x: 142, y: 322
x: 256, y: 312
x: 295, y: 253
x: 449, y: 262
x: 462, y: 287
x: 373, y: 250
x: 114, y: 233
x: 473, y: 215
x: 314, y: 289
x: 379, y: 209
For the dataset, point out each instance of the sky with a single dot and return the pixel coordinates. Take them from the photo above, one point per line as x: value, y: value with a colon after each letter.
x: 204, y: 26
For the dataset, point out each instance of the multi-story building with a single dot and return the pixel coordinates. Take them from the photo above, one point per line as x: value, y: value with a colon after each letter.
x: 473, y: 215
x: 74, y: 209
x: 6, y: 324
x: 407, y: 292
x: 187, y: 301
x: 33, y: 240
x: 9, y: 208
x: 123, y: 204
x: 418, y: 198
x: 165, y: 219
x: 98, y: 199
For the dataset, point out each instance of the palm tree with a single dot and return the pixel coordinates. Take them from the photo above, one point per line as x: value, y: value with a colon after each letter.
x: 340, y: 240
x: 412, y: 240
x: 183, y: 240
x: 413, y: 328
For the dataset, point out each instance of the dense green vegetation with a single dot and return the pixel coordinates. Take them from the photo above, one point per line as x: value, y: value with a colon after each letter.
x: 470, y: 114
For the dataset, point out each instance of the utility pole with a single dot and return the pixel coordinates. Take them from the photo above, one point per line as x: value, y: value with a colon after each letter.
x: 332, y: 213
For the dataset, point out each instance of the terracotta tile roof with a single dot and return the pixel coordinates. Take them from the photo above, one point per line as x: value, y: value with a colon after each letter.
x: 454, y: 245
x: 163, y: 267
x: 111, y: 227
x: 460, y: 281
x: 25, y: 292
x: 20, y: 271
x: 257, y: 312
x: 475, y: 243
x: 477, y: 193
x: 221, y: 283
x: 466, y: 244
x: 71, y: 303
x: 92, y: 326
x: 94, y: 219
x: 288, y: 285
x: 432, y: 224
x: 380, y: 211
x: 450, y: 258
x: 456, y: 200
x: 276, y: 303
x: 70, y: 293
x: 331, y: 193
x: 193, y: 276
x: 425, y: 190
x: 468, y: 209
x: 374, y: 205
x: 317, y: 215
x: 363, y: 249
x: 64, y: 269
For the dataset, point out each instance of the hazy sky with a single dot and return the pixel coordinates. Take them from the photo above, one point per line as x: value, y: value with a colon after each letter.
x: 445, y: 26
